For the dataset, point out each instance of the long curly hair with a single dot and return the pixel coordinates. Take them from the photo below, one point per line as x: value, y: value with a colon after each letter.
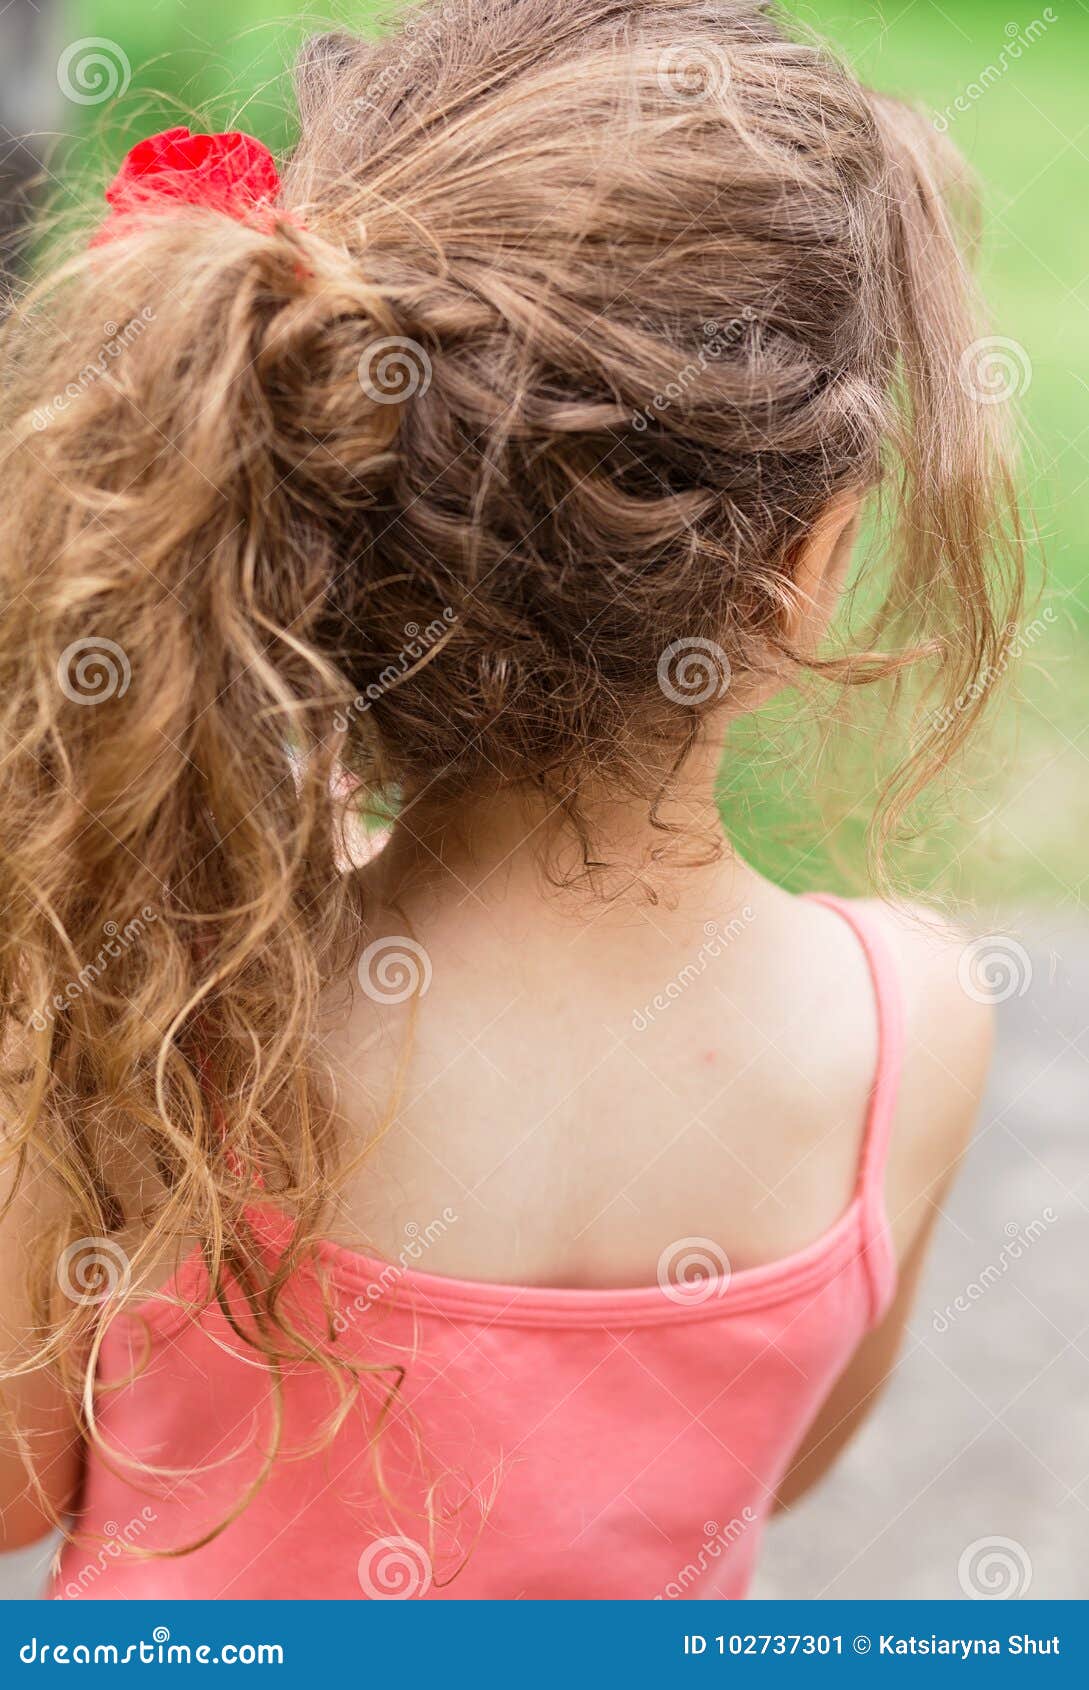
x: 577, y: 317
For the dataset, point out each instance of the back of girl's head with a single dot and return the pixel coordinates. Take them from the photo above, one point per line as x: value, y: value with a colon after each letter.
x: 487, y: 461
x: 652, y: 284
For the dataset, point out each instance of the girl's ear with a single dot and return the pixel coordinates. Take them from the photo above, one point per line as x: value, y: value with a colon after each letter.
x: 820, y: 570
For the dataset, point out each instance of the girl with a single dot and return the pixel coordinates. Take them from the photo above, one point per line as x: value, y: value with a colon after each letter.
x: 530, y: 1209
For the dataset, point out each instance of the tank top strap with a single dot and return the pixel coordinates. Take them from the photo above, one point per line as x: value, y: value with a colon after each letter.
x: 878, y: 1250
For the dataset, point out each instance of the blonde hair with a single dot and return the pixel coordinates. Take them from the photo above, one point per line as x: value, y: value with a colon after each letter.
x: 450, y: 389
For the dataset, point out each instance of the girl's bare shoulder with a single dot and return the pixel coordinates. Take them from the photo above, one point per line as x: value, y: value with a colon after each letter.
x: 949, y: 1035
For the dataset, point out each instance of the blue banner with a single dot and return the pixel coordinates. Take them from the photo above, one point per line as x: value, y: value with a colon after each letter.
x: 558, y: 1643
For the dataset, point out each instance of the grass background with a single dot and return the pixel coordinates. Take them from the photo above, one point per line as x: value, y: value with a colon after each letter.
x: 1022, y: 821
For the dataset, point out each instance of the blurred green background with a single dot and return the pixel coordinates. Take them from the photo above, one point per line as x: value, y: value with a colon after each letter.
x: 1024, y: 124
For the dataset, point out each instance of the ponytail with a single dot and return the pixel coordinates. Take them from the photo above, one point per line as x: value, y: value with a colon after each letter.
x: 173, y: 905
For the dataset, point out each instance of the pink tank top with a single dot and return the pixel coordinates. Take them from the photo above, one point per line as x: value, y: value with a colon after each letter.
x: 510, y: 1441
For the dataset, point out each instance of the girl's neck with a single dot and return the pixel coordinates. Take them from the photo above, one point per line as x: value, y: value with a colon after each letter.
x: 615, y: 854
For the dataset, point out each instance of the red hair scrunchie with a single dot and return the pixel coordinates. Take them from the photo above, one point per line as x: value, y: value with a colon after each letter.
x: 232, y: 173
